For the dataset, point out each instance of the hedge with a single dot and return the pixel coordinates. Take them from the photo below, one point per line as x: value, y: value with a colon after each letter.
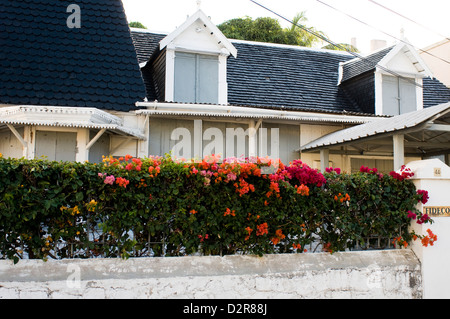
x: 157, y: 206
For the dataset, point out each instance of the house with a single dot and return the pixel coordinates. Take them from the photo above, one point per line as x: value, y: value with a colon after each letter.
x: 437, y: 57
x: 77, y: 92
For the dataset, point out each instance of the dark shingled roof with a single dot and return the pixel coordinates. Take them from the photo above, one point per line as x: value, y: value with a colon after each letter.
x: 146, y: 43
x: 434, y: 92
x: 291, y: 77
x: 294, y: 77
x: 265, y: 75
x: 43, y: 62
x: 359, y: 66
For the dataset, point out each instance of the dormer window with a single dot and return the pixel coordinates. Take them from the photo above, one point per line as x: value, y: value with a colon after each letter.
x: 386, y: 82
x: 399, y: 95
x: 400, y: 90
x: 196, y: 56
x: 196, y: 78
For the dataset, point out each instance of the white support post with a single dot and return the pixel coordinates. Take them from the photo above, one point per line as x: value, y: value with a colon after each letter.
x: 198, y: 140
x: 399, y: 151
x: 223, y: 85
x: 143, y: 149
x: 29, y: 133
x: 82, y: 154
x: 252, y: 141
x: 170, y: 72
x: 324, y: 159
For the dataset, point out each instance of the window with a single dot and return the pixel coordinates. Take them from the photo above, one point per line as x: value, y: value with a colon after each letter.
x: 383, y: 165
x: 399, y: 95
x: 56, y: 146
x: 196, y: 78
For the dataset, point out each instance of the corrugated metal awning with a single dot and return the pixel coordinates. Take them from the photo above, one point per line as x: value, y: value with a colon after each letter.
x: 418, y: 120
x: 75, y: 117
x: 167, y: 109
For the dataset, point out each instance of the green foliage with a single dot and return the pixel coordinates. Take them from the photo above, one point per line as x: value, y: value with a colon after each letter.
x: 137, y: 24
x: 269, y: 30
x: 160, y: 207
x: 341, y: 47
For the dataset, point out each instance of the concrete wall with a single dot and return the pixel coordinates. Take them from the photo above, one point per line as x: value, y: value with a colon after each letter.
x: 368, y: 274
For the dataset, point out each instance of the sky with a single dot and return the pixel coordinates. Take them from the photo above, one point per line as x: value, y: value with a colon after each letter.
x: 431, y: 17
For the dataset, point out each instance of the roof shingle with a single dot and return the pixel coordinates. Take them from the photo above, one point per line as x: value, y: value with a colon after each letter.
x: 44, y: 62
x: 291, y: 77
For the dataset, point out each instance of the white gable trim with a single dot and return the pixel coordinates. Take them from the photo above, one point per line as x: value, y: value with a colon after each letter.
x: 411, y: 53
x: 200, y: 15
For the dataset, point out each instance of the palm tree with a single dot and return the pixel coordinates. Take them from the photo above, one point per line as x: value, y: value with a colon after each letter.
x: 297, y: 34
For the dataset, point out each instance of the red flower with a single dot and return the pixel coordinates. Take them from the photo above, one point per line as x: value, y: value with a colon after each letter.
x: 411, y: 215
x: 423, y: 219
x: 405, y: 173
x: 424, y: 195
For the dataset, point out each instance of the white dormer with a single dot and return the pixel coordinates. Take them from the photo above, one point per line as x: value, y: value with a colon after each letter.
x: 196, y: 62
x: 399, y: 90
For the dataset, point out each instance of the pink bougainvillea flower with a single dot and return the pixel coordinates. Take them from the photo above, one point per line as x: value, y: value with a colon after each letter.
x: 411, y: 215
x: 424, y: 195
x: 109, y: 179
x: 423, y: 219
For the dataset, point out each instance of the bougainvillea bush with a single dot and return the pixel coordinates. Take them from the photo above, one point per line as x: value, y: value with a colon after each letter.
x: 158, y: 206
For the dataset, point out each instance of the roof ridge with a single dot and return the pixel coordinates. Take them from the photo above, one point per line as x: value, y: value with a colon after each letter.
x: 148, y: 31
x: 290, y: 46
x: 369, y: 55
x: 269, y: 44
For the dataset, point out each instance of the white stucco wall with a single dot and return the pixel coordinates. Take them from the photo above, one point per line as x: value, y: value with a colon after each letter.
x: 369, y: 274
x: 434, y: 176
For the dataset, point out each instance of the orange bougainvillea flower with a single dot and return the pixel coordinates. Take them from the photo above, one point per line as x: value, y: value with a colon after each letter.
x: 342, y: 198
x: 249, y: 231
x: 193, y: 211
x: 429, y: 239
x: 262, y: 229
x: 123, y: 182
x: 280, y: 234
x: 275, y: 240
x: 327, y: 248
x: 302, y: 190
x: 229, y: 212
x: 296, y: 246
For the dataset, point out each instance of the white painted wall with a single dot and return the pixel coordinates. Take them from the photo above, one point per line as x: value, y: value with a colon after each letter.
x: 392, y: 274
x: 10, y: 146
x: 437, y: 54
